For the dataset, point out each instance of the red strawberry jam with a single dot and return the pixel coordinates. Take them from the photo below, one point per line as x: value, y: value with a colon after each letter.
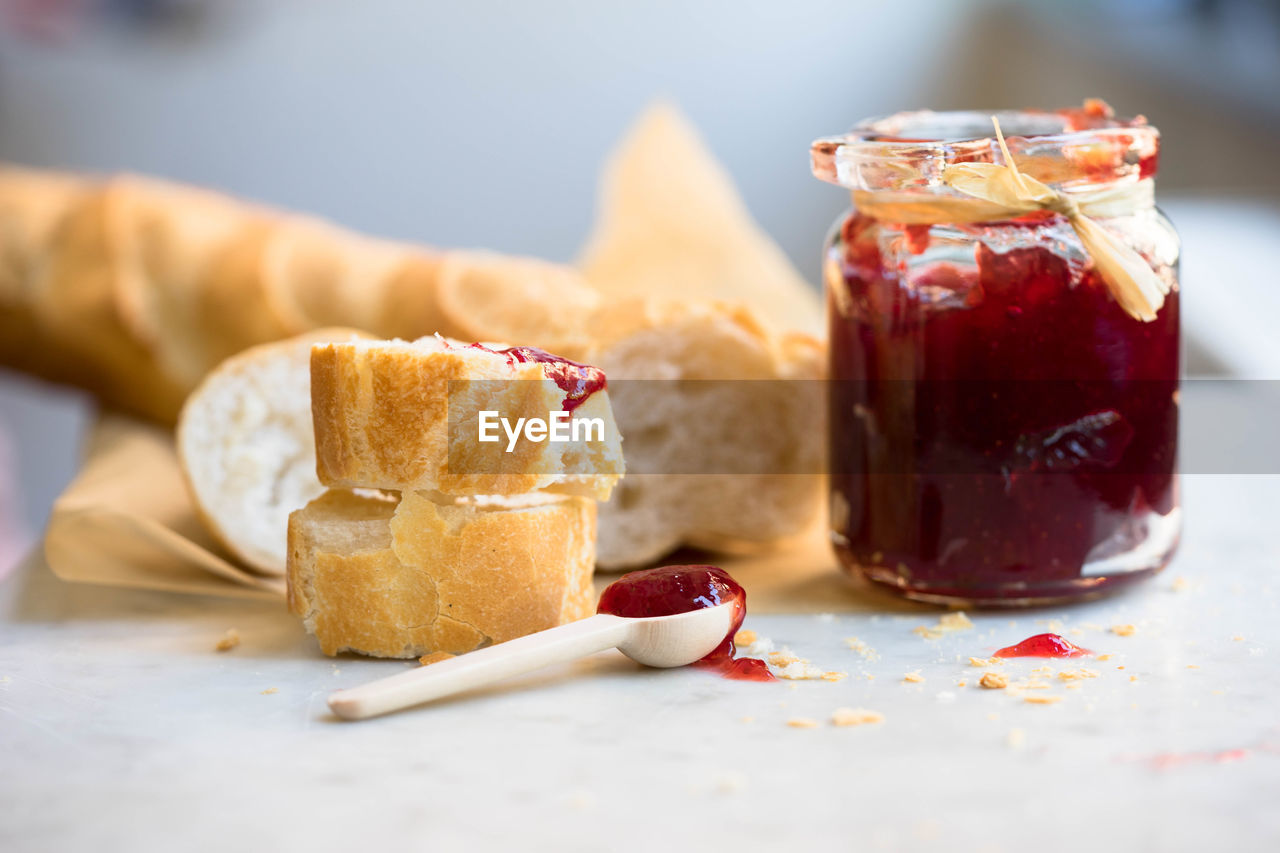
x: 1044, y: 646
x: 1002, y: 431
x: 577, y: 381
x: 669, y: 590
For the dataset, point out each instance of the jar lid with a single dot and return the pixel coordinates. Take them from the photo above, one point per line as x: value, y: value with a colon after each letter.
x: 1080, y: 148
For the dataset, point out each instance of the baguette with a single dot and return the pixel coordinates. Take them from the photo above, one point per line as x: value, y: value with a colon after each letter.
x: 716, y: 462
x: 401, y: 578
x: 247, y: 450
x: 405, y: 416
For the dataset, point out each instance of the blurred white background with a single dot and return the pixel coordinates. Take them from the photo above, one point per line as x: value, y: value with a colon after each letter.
x: 485, y: 123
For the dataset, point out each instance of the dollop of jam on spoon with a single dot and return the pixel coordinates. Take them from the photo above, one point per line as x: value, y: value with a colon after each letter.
x: 1044, y: 646
x: 669, y: 590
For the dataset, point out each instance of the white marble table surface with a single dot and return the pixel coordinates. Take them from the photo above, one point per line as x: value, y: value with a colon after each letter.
x: 122, y: 729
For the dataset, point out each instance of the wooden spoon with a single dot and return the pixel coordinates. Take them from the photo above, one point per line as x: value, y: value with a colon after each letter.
x: 660, y: 641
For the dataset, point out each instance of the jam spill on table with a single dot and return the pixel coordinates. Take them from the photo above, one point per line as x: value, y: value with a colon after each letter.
x: 669, y: 590
x: 1044, y: 646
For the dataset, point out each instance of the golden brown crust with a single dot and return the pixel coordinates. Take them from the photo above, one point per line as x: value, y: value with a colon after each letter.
x: 404, y: 579
x: 382, y: 420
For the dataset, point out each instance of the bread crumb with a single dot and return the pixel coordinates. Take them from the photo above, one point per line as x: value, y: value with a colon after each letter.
x: 745, y: 637
x: 1036, y: 684
x: 986, y: 661
x: 1124, y: 630
x: 861, y: 648
x: 1042, y: 700
x: 994, y: 681
x: 948, y: 623
x: 993, y: 716
x: 961, y: 683
x: 748, y: 719
x: 1193, y: 666
x: 1181, y: 584
x: 855, y: 717
x: 1075, y: 685
x: 1105, y: 657
x: 799, y: 670
x: 434, y: 657
x: 270, y: 690
x: 834, y: 676
x: 1016, y: 738
x: 784, y: 658
x: 913, y: 677
x: 1218, y: 692
x: 1073, y: 674
x: 1239, y: 638
x: 1133, y: 678
x: 1055, y: 625
x: 229, y: 641
x: 802, y: 723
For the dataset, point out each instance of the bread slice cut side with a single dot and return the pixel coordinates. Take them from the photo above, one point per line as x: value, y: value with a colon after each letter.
x: 724, y: 464
x: 246, y: 446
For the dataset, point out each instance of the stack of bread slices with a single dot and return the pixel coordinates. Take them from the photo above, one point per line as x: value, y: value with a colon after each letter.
x: 430, y: 539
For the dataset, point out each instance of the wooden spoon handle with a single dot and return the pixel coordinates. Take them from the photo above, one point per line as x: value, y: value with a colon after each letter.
x: 484, y: 666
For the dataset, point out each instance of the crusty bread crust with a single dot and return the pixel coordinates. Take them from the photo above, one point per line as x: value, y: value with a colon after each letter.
x: 403, y: 578
x: 382, y: 417
x: 761, y: 440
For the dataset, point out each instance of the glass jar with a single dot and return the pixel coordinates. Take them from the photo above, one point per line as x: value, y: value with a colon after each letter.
x: 1002, y: 430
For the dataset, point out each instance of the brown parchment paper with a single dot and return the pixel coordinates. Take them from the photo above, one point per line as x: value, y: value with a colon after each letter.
x: 128, y: 520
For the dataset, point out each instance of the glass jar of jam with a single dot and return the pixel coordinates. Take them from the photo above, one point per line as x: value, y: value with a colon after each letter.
x: 1003, y: 425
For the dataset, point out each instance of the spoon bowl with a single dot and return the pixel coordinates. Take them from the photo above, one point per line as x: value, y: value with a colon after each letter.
x: 679, y: 640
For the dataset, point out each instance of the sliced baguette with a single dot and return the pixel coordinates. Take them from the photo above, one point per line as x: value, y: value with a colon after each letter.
x: 485, y: 296
x: 404, y: 416
x: 74, y: 296
x: 715, y: 462
x: 371, y: 575
x: 246, y: 447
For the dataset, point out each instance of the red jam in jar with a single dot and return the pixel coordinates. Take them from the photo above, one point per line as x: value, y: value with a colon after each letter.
x: 669, y: 590
x: 1002, y: 430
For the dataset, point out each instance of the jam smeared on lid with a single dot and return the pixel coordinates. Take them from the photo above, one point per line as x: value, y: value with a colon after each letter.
x: 1044, y: 646
x: 577, y: 381
x: 670, y: 590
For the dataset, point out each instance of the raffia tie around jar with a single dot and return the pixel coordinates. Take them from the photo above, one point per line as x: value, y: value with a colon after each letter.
x: 994, y: 192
